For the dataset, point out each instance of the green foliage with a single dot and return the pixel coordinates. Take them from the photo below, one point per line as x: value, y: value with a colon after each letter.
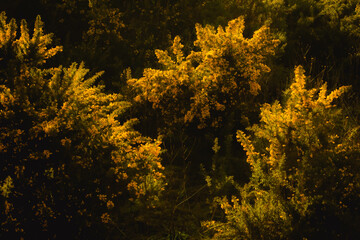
x: 66, y: 160
x: 304, y: 157
x: 322, y: 36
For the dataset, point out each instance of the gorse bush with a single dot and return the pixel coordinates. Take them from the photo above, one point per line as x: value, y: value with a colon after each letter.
x: 222, y: 76
x: 304, y: 155
x: 66, y: 160
x: 105, y: 137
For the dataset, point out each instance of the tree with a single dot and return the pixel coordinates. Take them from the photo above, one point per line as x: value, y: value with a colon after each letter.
x: 68, y: 165
x: 304, y: 155
x: 323, y: 36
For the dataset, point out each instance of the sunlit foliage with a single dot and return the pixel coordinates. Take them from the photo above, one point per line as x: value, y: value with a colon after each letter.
x: 71, y: 160
x: 304, y: 155
x: 221, y: 74
x: 68, y: 165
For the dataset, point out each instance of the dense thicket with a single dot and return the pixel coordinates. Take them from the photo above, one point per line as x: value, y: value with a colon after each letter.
x: 181, y: 119
x: 304, y: 158
x: 66, y: 161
